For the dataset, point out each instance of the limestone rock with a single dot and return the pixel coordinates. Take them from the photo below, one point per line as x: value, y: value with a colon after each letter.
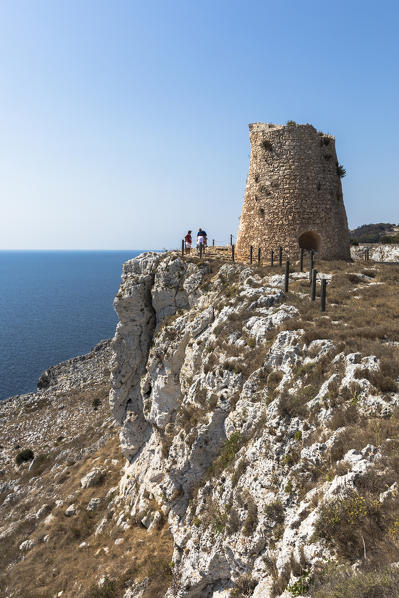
x: 93, y: 478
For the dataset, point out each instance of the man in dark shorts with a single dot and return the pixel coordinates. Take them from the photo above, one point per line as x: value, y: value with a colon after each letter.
x: 202, y: 233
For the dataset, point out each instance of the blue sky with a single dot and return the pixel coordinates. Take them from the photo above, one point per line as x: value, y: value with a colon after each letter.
x: 123, y: 123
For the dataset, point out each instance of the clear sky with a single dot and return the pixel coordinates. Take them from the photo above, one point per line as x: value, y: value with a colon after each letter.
x: 125, y: 122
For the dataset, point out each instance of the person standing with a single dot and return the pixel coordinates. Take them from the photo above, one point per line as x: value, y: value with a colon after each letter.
x: 200, y: 240
x: 202, y: 233
x: 188, y: 241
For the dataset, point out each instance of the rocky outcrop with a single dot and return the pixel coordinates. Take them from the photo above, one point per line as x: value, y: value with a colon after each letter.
x: 79, y: 371
x: 230, y: 423
x: 377, y: 253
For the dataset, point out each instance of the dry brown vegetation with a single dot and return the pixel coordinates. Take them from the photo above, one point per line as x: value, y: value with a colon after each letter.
x: 60, y: 565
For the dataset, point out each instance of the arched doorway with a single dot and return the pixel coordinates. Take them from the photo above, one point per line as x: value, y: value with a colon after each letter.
x: 309, y: 240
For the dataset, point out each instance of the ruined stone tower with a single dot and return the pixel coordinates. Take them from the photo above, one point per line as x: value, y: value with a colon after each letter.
x: 293, y: 196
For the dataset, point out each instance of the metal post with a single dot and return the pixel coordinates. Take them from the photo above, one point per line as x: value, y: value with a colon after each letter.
x: 231, y: 240
x: 251, y: 250
x: 313, y: 285
x: 280, y: 256
x: 259, y: 256
x: 182, y: 248
x: 201, y: 249
x: 213, y: 242
x: 271, y: 257
x: 301, y: 260
x: 232, y: 252
x: 287, y: 275
x: 311, y: 265
x: 323, y: 294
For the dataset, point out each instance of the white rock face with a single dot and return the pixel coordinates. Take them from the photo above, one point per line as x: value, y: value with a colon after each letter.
x: 377, y: 253
x: 26, y: 545
x: 93, y: 478
x: 71, y: 510
x: 94, y: 503
x: 213, y: 401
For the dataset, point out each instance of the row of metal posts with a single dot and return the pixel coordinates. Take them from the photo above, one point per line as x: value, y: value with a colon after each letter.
x: 312, y: 271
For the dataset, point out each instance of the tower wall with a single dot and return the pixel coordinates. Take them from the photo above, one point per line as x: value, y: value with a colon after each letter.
x: 293, y: 188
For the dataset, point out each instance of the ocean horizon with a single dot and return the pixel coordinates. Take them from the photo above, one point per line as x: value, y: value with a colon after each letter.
x: 54, y: 305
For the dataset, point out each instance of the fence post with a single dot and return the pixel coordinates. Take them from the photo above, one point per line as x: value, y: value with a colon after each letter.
x: 213, y: 242
x: 182, y: 248
x: 323, y: 294
x: 313, y: 285
x: 201, y: 249
x: 232, y: 252
x: 259, y: 256
x: 301, y: 260
x: 251, y: 249
x: 231, y: 240
x: 311, y: 265
x: 280, y: 256
x: 287, y: 275
x: 271, y: 257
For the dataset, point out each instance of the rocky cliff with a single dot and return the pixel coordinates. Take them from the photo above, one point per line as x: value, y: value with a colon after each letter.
x: 259, y: 442
x: 262, y: 430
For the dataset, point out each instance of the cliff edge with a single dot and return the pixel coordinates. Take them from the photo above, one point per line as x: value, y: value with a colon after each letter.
x: 249, y: 420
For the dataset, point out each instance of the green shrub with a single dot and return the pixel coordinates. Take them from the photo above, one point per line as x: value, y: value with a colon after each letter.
x: 302, y: 585
x: 275, y: 511
x: 227, y: 456
x: 345, y: 583
x: 350, y: 524
x: 389, y: 239
x: 24, y: 456
x: 341, y: 171
x: 95, y: 404
x: 107, y: 590
x: 251, y: 520
x: 290, y: 123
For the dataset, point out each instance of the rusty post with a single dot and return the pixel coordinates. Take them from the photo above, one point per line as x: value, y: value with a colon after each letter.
x: 313, y: 285
x: 323, y: 294
x: 287, y: 275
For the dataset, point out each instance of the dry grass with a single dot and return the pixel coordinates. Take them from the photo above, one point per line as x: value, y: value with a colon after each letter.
x: 60, y: 565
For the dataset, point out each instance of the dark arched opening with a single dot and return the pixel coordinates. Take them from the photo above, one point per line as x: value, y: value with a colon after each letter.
x: 309, y: 240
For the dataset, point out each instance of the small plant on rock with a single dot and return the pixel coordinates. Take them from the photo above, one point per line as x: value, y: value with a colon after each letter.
x: 96, y: 403
x: 302, y: 585
x: 24, y: 456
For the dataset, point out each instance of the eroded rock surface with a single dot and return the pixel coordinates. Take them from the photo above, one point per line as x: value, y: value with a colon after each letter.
x: 226, y: 421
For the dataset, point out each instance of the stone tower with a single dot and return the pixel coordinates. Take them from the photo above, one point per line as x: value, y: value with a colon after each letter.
x: 293, y: 196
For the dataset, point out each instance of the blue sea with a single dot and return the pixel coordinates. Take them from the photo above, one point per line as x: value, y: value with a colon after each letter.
x: 53, y: 305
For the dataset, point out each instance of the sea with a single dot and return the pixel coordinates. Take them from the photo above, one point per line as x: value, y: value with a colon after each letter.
x: 54, y: 305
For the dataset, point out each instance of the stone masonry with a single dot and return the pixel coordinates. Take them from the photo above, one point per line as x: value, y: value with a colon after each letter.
x: 293, y: 196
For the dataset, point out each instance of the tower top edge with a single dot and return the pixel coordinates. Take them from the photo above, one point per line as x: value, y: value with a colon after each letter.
x: 260, y: 126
